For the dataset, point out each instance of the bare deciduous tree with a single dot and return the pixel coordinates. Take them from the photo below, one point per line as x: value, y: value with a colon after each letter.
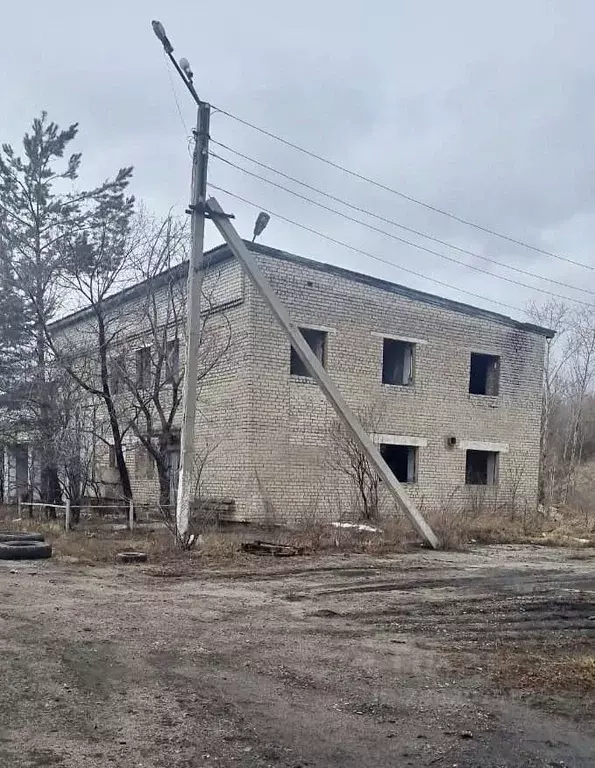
x: 348, y: 458
x: 149, y: 365
x: 94, y: 266
x: 568, y: 385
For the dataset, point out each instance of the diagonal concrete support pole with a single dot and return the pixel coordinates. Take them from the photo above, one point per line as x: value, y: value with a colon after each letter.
x: 316, y: 370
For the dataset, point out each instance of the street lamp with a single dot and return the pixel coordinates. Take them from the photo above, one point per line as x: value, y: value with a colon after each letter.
x: 185, y: 67
x: 260, y: 225
x: 159, y: 30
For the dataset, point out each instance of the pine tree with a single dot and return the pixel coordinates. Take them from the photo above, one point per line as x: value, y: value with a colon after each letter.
x: 39, y: 211
x: 15, y: 333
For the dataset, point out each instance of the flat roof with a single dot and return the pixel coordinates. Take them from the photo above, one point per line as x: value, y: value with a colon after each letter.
x: 222, y: 253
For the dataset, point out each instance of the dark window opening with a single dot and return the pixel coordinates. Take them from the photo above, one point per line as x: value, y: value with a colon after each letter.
x: 143, y: 368
x: 317, y: 343
x: 484, y: 374
x: 397, y: 362
x: 117, y: 375
x: 172, y: 361
x: 481, y: 468
x: 402, y: 460
x: 144, y: 463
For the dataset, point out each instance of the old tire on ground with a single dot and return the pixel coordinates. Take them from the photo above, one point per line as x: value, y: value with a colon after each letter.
x: 20, y: 536
x: 24, y: 550
x: 132, y: 557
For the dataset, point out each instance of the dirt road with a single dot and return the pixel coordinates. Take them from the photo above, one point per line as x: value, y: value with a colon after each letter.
x: 413, y: 660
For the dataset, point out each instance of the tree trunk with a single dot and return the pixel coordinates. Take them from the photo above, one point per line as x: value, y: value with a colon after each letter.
x: 51, y: 492
x: 164, y: 481
x: 161, y: 457
x: 74, y: 494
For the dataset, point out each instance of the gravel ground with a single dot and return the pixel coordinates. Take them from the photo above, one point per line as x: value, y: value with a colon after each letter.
x: 337, y: 661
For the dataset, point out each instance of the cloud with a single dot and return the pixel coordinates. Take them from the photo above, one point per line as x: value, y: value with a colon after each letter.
x: 482, y: 110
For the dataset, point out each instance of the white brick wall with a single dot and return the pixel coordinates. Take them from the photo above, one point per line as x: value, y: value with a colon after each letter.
x: 269, y: 431
x: 292, y: 418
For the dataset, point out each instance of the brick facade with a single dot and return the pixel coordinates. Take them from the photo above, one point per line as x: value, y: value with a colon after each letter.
x: 269, y: 434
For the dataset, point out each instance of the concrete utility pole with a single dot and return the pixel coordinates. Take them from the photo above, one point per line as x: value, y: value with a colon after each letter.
x: 316, y: 370
x: 198, y: 208
x: 198, y: 195
x: 195, y: 278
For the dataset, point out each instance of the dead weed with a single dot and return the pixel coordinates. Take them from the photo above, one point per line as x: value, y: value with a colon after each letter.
x: 88, y: 547
x: 92, y: 548
x: 220, y: 546
x: 457, y: 530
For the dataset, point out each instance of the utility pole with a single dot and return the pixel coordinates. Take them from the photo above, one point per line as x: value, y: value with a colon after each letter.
x: 199, y: 208
x: 193, y: 331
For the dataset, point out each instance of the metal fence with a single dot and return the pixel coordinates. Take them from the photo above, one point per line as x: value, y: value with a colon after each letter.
x: 114, y: 514
x: 125, y: 514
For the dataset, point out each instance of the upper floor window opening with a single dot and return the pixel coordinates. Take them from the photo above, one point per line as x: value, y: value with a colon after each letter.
x: 397, y: 362
x: 484, y: 374
x: 317, y: 342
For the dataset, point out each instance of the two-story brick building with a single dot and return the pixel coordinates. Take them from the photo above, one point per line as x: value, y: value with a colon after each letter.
x: 452, y: 393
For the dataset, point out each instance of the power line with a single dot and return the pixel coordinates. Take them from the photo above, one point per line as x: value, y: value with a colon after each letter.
x: 364, y: 252
x: 374, y: 215
x: 396, y: 237
x: 393, y: 191
x: 175, y: 95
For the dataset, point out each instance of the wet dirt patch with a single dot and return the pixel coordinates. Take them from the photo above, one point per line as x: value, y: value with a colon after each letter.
x: 380, y: 661
x: 93, y: 667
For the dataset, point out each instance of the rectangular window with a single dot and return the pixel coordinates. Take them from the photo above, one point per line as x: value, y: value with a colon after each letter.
x: 397, y: 362
x: 112, y: 463
x: 117, y: 375
x: 317, y: 343
x: 144, y: 463
x: 402, y: 459
x: 484, y: 374
x: 481, y: 468
x: 172, y: 360
x: 143, y: 368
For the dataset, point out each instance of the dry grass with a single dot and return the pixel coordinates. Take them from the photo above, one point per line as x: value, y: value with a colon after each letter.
x: 90, y: 548
x: 220, y: 546
x: 451, y: 528
x: 102, y: 548
x: 524, y: 670
x: 102, y: 545
x: 456, y: 530
x: 394, y: 535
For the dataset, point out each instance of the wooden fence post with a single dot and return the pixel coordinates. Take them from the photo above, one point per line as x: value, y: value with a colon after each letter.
x: 67, y: 515
x: 130, y: 515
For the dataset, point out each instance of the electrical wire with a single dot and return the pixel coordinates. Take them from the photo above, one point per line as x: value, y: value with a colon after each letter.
x: 396, y: 237
x: 394, y: 223
x: 392, y: 190
x: 361, y: 177
x: 175, y: 95
x: 363, y: 252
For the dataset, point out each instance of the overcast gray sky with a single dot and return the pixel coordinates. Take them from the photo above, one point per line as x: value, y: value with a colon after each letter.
x: 484, y: 109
